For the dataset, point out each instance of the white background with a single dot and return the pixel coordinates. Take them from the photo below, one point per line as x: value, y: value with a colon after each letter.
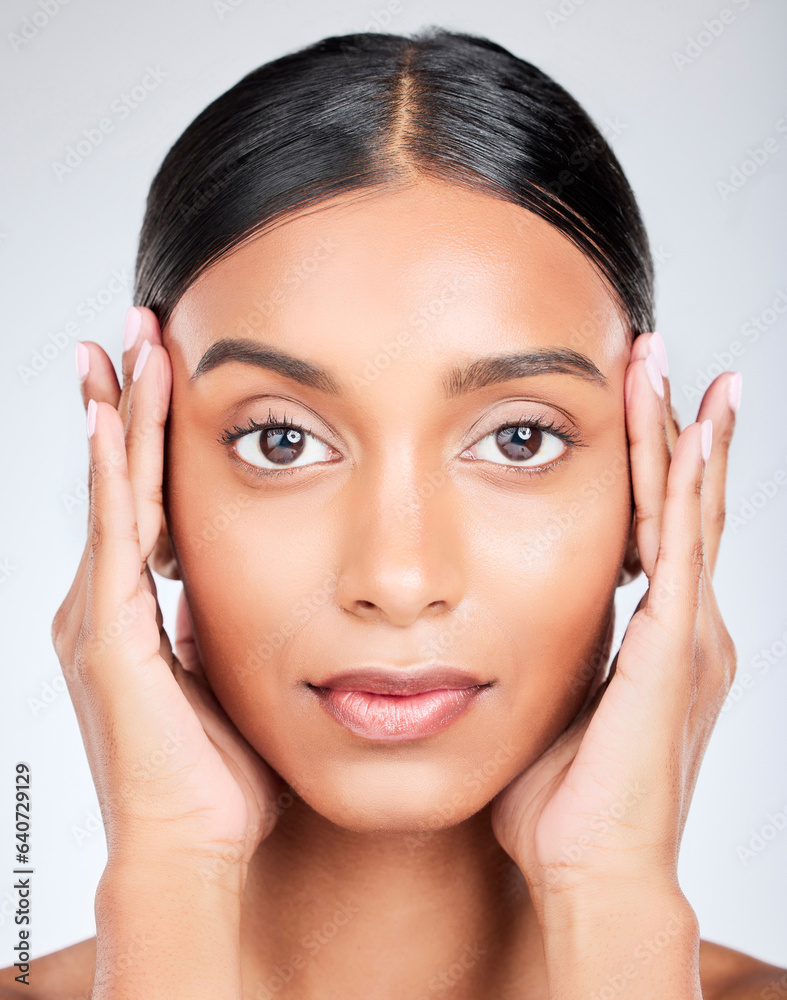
x: 683, y: 125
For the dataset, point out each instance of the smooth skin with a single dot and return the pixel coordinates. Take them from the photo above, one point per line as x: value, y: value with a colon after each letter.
x: 552, y: 873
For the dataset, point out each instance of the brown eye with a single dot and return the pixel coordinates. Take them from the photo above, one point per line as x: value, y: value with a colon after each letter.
x: 281, y: 444
x: 519, y: 443
x: 285, y: 447
x: 522, y: 445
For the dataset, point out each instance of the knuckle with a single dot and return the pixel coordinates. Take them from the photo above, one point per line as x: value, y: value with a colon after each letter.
x: 729, y: 657
x: 98, y: 533
x: 151, y: 493
x: 140, y: 428
x: 105, y: 467
x: 672, y: 493
x: 719, y: 664
x: 645, y: 514
x: 58, y: 622
x: 697, y: 555
x: 59, y: 628
x: 95, y: 533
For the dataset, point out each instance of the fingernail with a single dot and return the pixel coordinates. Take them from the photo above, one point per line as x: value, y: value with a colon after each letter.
x: 707, y: 438
x: 82, y: 360
x: 654, y: 374
x: 142, y: 357
x: 91, y: 416
x: 734, y: 390
x: 659, y: 348
x: 131, y: 327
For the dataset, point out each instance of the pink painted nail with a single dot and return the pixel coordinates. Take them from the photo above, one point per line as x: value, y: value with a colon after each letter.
x: 707, y: 439
x: 734, y: 390
x: 654, y: 374
x: 92, y: 407
x: 142, y: 357
x: 131, y: 327
x: 659, y: 348
x: 82, y: 360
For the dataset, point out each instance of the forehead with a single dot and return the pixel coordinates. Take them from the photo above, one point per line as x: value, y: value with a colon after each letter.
x: 360, y: 269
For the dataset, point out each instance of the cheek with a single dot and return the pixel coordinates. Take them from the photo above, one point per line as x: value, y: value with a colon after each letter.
x: 255, y: 577
x: 258, y: 594
x: 550, y: 575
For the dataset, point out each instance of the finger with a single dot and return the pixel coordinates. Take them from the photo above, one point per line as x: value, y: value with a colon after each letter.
x: 97, y: 378
x: 132, y: 327
x: 719, y: 404
x: 648, y: 447
x: 141, y: 324
x: 654, y: 342
x: 97, y: 381
x: 675, y: 585
x: 147, y: 416
x: 114, y: 563
x: 673, y: 427
x: 718, y: 671
x: 659, y: 348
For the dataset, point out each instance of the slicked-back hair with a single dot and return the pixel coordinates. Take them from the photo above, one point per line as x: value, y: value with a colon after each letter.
x: 364, y: 110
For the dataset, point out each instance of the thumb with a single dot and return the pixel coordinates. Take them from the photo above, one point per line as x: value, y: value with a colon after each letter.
x: 600, y: 677
x: 185, y: 644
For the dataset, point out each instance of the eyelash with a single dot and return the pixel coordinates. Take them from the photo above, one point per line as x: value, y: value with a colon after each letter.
x: 562, y: 431
x: 235, y: 432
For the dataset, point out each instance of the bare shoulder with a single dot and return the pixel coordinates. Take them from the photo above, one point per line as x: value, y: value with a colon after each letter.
x: 727, y: 974
x: 66, y: 974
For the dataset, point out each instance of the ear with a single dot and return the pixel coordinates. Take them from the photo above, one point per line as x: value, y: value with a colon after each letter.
x: 631, y: 567
x: 163, y: 559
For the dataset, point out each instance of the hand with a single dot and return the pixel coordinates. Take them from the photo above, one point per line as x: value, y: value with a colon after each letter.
x: 171, y: 771
x: 606, y: 804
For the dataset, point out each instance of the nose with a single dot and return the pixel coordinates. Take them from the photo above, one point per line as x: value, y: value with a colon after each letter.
x: 402, y: 557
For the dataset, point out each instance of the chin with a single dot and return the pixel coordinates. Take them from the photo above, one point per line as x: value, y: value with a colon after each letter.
x: 400, y: 796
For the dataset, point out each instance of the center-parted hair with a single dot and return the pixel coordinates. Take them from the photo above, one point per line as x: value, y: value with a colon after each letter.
x: 364, y: 110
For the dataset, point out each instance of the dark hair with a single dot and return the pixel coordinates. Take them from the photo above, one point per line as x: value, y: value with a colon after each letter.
x: 362, y: 110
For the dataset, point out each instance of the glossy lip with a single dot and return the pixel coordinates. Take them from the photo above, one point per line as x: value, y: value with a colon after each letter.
x: 393, y: 705
x: 400, y: 680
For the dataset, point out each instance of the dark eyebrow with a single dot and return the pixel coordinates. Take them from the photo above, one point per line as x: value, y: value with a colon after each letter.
x: 488, y: 371
x: 264, y: 356
x: 474, y: 376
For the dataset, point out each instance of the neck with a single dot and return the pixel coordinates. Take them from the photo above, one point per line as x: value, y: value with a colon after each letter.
x: 329, y: 911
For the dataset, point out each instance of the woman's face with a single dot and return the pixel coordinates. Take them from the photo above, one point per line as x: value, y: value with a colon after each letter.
x: 402, y: 520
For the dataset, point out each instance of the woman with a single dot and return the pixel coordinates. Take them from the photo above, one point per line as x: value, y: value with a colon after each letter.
x: 393, y: 363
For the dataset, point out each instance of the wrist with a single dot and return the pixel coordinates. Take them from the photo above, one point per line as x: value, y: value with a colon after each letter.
x: 164, y: 930
x: 563, y: 897
x: 575, y: 909
x: 226, y: 869
x: 637, y: 939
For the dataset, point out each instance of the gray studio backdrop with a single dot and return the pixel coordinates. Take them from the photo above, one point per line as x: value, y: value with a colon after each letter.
x: 692, y: 97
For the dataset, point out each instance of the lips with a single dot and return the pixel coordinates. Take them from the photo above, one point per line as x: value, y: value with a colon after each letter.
x: 398, y: 704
